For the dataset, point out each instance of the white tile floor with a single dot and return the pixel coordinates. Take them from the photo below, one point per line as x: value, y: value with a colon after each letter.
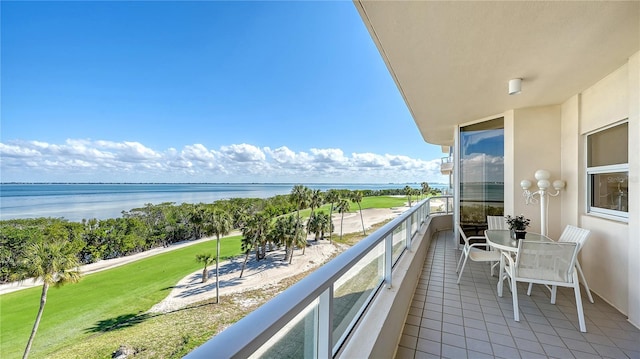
x: 469, y: 320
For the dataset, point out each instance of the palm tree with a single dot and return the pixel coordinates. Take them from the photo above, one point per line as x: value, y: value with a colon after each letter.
x: 408, y: 191
x: 316, y: 199
x: 332, y: 196
x: 356, y: 196
x: 319, y: 224
x: 53, y: 260
x: 425, y: 188
x: 206, y: 259
x: 284, y: 233
x: 416, y: 192
x: 299, y: 196
x: 255, y: 235
x: 218, y: 223
x: 343, y: 206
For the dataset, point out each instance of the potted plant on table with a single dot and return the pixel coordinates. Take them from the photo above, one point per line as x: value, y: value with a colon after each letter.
x: 518, y: 226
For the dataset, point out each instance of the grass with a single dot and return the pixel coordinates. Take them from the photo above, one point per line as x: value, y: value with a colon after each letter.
x: 367, y: 202
x: 92, y: 318
x: 99, y: 301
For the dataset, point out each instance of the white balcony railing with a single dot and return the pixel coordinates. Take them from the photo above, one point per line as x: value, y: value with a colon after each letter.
x: 314, y: 317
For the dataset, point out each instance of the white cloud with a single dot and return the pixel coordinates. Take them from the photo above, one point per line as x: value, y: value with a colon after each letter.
x: 109, y: 161
x: 243, y: 153
x: 481, y: 168
x: 17, y: 151
x: 369, y: 160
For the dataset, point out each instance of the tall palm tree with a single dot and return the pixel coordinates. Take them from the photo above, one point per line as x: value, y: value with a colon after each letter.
x: 356, y: 196
x: 425, y: 188
x: 332, y: 197
x: 53, y: 260
x: 300, y: 196
x: 205, y: 259
x: 218, y: 223
x: 343, y: 206
x: 408, y: 191
x: 316, y: 199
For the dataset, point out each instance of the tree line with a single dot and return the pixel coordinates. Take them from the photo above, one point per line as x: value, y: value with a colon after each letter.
x: 141, y: 229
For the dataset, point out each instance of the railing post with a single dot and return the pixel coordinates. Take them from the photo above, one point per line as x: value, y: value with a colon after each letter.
x: 325, y: 325
x: 388, y: 258
x: 408, y: 232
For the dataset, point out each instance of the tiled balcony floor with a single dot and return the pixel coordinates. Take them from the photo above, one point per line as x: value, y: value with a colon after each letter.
x: 470, y: 320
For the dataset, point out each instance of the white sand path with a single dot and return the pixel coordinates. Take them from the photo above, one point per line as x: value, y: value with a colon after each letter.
x: 270, y: 271
x: 263, y: 273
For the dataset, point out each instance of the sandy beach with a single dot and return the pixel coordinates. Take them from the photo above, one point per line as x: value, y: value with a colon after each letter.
x: 256, y: 275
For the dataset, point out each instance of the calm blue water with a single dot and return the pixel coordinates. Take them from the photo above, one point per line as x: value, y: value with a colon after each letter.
x: 77, y: 201
x: 482, y: 192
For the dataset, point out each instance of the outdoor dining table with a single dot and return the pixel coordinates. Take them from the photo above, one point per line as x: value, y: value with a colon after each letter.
x: 501, y: 240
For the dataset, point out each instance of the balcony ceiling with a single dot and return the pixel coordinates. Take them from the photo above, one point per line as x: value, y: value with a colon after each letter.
x: 452, y: 60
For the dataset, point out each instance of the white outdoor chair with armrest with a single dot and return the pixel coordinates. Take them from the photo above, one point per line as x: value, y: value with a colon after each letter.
x: 573, y: 234
x: 477, y: 255
x: 549, y: 263
x: 497, y: 222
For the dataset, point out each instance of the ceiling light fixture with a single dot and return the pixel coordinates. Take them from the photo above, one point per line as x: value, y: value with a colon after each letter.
x: 515, y: 86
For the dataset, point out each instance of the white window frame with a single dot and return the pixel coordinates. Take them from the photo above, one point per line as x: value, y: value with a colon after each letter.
x: 612, y: 214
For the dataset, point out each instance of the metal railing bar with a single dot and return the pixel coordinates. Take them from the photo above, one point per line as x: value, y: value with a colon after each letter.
x: 251, y: 332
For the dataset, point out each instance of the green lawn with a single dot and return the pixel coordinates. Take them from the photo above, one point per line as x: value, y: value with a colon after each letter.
x: 367, y: 202
x: 98, y: 301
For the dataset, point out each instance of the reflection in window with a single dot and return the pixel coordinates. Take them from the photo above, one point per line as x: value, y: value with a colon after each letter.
x: 610, y: 191
x: 481, y: 174
x: 608, y: 172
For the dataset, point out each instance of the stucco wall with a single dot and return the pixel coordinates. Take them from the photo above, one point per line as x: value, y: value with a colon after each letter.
x: 536, y: 141
x: 634, y: 187
x: 571, y: 157
x: 605, y: 257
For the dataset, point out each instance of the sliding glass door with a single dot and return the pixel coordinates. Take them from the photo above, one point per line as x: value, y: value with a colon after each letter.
x: 481, y: 174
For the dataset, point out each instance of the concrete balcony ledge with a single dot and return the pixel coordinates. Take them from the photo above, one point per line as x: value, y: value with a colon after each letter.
x: 379, y: 331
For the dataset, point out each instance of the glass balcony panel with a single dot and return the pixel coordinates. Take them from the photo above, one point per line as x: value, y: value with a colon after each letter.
x: 353, y: 291
x: 398, y: 241
x: 439, y: 205
x: 297, y: 339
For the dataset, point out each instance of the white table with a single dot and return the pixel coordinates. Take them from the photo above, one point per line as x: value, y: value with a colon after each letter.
x: 501, y: 240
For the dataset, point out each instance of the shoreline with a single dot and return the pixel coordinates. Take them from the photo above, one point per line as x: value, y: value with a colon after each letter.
x: 77, y: 201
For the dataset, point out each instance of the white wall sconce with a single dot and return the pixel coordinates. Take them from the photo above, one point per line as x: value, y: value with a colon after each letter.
x: 515, y: 86
x: 542, y: 176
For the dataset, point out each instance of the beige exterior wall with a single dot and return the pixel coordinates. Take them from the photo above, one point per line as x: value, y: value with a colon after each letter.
x: 634, y: 187
x: 571, y: 157
x: 535, y: 137
x: 553, y: 138
x: 610, y: 257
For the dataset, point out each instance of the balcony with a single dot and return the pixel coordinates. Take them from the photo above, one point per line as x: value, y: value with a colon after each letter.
x: 470, y: 320
x: 446, y: 165
x: 395, y: 293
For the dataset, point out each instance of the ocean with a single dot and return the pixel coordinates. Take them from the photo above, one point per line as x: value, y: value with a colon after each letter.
x: 77, y: 201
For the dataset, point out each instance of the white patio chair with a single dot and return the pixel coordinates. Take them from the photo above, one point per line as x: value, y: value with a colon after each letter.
x: 469, y: 251
x: 549, y: 263
x: 497, y: 222
x: 573, y: 234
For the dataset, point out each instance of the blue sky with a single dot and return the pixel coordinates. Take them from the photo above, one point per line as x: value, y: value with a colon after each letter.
x: 201, y: 92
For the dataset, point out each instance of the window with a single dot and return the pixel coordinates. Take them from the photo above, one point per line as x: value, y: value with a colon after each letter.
x: 481, y: 175
x: 608, y: 172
